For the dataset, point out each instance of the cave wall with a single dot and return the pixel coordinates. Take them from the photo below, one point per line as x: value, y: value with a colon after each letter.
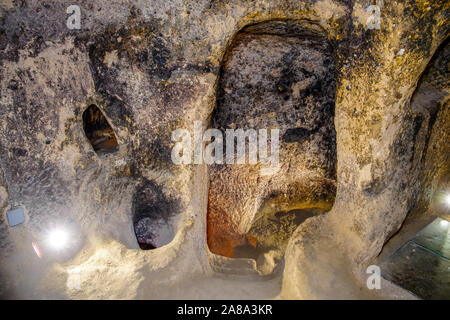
x: 281, y: 75
x: 153, y: 67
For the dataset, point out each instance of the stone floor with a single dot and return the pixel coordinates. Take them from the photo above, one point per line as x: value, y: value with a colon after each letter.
x: 422, y: 264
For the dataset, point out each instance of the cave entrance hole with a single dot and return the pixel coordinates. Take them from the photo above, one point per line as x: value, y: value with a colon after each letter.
x: 155, y: 215
x: 98, y: 131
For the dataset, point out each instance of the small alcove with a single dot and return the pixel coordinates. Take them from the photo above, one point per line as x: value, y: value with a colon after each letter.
x: 155, y: 216
x: 98, y: 131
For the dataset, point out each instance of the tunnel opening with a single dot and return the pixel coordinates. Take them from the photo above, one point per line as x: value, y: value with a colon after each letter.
x: 277, y: 74
x: 416, y: 256
x: 430, y: 128
x: 98, y: 131
x: 430, y: 107
x: 154, y: 216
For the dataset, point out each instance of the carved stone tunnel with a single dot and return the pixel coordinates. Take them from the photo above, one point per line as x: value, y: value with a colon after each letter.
x: 278, y: 74
x: 86, y: 124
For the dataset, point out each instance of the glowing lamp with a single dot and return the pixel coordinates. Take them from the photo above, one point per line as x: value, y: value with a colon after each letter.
x: 58, y: 239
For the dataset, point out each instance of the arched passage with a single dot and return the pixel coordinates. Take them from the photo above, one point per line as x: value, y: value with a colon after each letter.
x: 278, y: 74
x: 416, y: 257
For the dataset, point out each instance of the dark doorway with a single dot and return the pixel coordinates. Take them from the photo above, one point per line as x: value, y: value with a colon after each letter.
x: 98, y: 131
x: 155, y: 216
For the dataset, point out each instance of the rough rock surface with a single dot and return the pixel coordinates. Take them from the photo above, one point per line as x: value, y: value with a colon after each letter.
x: 154, y: 66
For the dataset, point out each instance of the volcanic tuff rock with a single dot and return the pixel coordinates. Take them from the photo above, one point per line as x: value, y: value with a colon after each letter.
x: 364, y: 136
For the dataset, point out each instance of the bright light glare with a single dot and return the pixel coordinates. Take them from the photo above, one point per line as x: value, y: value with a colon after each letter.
x: 447, y: 199
x: 58, y: 239
x: 444, y: 223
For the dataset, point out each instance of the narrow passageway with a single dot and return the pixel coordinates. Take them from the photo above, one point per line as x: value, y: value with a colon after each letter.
x: 99, y: 131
